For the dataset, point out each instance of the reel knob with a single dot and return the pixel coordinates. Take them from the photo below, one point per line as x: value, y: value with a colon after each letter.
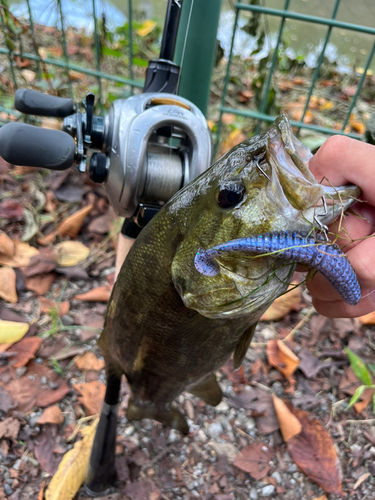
x: 98, y: 170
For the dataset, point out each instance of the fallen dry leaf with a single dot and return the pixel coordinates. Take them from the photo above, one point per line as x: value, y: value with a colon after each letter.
x: 282, y: 358
x: 6, y: 245
x: 349, y: 383
x: 41, y: 491
x: 9, y: 428
x: 69, y: 227
x: 91, y: 396
x: 99, y: 294
x: 368, y: 319
x: 142, y: 490
x: 8, y: 285
x: 254, y: 459
x: 22, y: 255
x: 43, y: 262
x: 25, y: 350
x: 312, y: 449
x: 290, y: 426
x: 227, y: 449
x: 11, y: 209
x: 29, y: 391
x: 40, y: 284
x: 89, y: 362
x: 50, y: 305
x: 323, y: 497
x: 280, y: 307
x: 72, y: 469
x: 51, y: 415
x: 44, y: 449
x: 71, y: 253
x: 146, y: 28
x: 12, y: 331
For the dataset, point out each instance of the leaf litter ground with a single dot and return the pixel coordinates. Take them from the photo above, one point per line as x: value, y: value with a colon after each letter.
x: 52, y: 377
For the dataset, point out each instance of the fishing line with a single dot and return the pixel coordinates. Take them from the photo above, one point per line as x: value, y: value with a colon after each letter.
x: 183, y: 50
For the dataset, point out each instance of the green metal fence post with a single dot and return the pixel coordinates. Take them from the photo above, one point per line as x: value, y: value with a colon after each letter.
x: 196, y: 49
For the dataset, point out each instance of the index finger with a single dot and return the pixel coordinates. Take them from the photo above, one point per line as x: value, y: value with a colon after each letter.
x: 342, y: 160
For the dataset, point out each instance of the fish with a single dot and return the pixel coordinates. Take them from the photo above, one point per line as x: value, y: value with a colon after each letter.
x: 182, y: 304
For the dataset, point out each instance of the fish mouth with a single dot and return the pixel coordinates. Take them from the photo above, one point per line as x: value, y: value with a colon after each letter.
x: 247, y: 296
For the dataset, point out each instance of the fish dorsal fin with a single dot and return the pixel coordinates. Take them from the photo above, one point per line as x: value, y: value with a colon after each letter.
x: 243, y: 346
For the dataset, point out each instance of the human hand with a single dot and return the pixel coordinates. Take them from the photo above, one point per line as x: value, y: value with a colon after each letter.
x: 343, y: 160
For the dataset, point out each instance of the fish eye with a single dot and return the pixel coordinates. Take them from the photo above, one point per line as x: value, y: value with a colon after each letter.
x: 230, y: 195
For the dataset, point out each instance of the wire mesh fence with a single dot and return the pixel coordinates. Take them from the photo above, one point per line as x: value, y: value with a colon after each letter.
x: 260, y: 113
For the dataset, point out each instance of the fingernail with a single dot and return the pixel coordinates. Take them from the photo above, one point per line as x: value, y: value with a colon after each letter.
x: 372, y: 295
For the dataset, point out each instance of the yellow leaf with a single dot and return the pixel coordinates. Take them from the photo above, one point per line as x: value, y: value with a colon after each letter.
x: 71, y: 253
x: 72, y: 469
x: 11, y: 331
x: 28, y: 75
x: 146, y: 28
x: 22, y: 255
x: 8, y: 285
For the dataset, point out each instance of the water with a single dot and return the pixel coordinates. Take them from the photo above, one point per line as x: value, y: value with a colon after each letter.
x: 346, y: 47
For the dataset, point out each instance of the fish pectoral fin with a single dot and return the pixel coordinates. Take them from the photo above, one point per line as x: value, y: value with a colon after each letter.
x: 243, y: 346
x: 169, y: 417
x: 208, y: 390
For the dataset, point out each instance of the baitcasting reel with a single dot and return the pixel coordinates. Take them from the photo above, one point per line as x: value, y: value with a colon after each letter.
x: 150, y: 145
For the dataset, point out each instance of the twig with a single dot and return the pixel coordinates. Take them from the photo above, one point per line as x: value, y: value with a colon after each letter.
x: 358, y: 422
x: 157, y: 457
x: 299, y: 325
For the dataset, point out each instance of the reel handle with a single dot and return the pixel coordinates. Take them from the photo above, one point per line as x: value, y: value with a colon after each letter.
x: 32, y: 102
x: 31, y: 146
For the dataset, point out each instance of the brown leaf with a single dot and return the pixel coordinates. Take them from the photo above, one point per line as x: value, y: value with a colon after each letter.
x: 254, y: 459
x: 6, y: 245
x: 368, y: 319
x: 257, y: 400
x: 89, y: 362
x: 40, y: 284
x: 89, y: 318
x: 25, y: 350
x: 290, y: 426
x: 92, y: 395
x: 69, y: 227
x: 42, y: 263
x: 290, y: 301
x: 48, y: 305
x: 314, y: 453
x: 6, y: 401
x: 44, y: 453
x: 28, y: 391
x: 9, y: 428
x: 51, y: 415
x: 142, y: 490
x: 349, y: 383
x: 282, y: 358
x: 10, y: 209
x: 99, y: 294
x: 8, y: 285
x: 22, y: 255
x: 101, y: 225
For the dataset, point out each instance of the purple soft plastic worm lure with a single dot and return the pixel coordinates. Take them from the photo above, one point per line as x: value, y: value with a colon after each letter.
x: 326, y: 258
